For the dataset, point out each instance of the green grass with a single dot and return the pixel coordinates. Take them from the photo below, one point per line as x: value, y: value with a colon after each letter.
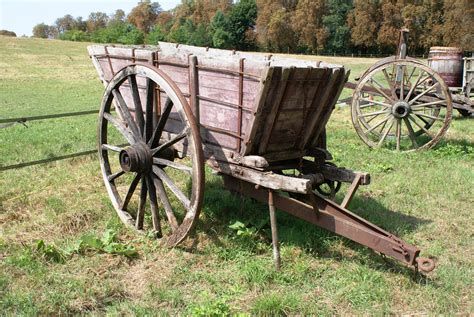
x: 425, y: 198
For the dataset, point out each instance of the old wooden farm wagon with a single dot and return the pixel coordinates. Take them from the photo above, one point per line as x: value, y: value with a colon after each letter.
x: 169, y: 109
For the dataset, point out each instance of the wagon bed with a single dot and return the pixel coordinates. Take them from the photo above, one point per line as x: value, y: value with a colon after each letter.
x: 246, y: 103
x: 252, y: 117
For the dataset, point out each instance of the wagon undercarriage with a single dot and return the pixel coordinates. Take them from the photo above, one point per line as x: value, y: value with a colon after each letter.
x: 251, y: 118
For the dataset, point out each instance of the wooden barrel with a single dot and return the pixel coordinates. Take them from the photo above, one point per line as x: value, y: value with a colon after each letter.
x: 447, y: 62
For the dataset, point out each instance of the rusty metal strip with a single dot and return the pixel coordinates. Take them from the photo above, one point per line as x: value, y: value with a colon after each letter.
x: 222, y: 131
x: 241, y: 100
x: 109, y: 60
x: 223, y: 103
x: 137, y: 59
x: 229, y: 72
x: 182, y: 65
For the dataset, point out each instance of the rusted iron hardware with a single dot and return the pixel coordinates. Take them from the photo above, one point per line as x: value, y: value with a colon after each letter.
x: 259, y: 121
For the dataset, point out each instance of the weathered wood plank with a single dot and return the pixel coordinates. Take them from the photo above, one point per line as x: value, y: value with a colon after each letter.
x: 273, y: 115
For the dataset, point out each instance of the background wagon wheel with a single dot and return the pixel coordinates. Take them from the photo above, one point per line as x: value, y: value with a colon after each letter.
x: 139, y: 140
x: 402, y: 105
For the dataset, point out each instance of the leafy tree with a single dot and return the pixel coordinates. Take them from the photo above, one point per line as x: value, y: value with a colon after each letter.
x: 307, y: 22
x: 241, y: 23
x: 458, y: 23
x: 74, y: 35
x: 364, y: 22
x: 7, y: 33
x: 273, y: 25
x: 117, y: 17
x: 96, y: 20
x: 165, y: 21
x: 119, y: 33
x: 41, y: 30
x: 335, y: 22
x: 65, y: 23
x: 392, y: 22
x: 80, y: 24
x: 155, y: 35
x: 433, y: 35
x: 144, y: 15
x: 221, y: 38
x: 205, y: 10
x: 280, y: 34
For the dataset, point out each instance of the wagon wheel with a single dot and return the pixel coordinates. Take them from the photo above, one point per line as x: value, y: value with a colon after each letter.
x: 402, y: 105
x: 137, y: 146
x: 329, y: 188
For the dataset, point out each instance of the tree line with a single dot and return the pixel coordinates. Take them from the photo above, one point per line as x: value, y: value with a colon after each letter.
x: 290, y: 26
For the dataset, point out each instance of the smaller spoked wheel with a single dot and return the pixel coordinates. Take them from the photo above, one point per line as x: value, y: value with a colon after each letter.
x: 401, y: 105
x: 150, y: 153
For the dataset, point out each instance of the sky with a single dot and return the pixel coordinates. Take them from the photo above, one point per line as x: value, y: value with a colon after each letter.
x: 20, y: 16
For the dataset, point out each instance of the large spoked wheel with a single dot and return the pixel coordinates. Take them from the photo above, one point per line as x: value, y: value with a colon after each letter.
x: 145, y: 126
x: 401, y: 105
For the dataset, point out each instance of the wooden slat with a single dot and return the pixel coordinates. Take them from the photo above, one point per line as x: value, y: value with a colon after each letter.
x: 332, y: 83
x: 342, y: 79
x: 273, y: 115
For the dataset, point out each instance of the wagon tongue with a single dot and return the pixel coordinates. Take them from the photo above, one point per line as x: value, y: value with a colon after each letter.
x: 330, y: 216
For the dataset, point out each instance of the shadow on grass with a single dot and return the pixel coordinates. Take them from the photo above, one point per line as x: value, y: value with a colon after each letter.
x: 222, y: 208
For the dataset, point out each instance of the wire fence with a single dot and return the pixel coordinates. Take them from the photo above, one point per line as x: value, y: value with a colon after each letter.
x: 5, y: 123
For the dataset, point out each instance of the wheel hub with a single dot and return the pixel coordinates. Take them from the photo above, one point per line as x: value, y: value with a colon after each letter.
x: 136, y: 158
x: 401, y: 109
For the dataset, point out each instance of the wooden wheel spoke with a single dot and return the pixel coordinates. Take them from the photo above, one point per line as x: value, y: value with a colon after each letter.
x: 155, y: 138
x: 141, y: 205
x: 132, y: 80
x: 114, y: 176
x: 424, y: 120
x: 130, y: 191
x: 423, y: 93
x: 427, y: 104
x: 172, y: 186
x: 386, y: 105
x: 411, y: 133
x: 421, y: 127
x: 169, y: 143
x: 390, y: 83
x: 109, y: 147
x: 175, y: 165
x: 428, y: 116
x: 376, y: 113
x: 160, y: 189
x: 387, y: 131
x: 155, y: 216
x: 150, y: 98
x: 379, y: 124
x: 411, y: 74
x: 398, y: 133
x: 121, y: 128
x: 122, y: 105
x: 402, y: 83
x: 372, y: 81
x: 417, y: 82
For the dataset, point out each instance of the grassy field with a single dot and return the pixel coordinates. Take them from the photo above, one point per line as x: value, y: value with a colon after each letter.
x: 425, y: 198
